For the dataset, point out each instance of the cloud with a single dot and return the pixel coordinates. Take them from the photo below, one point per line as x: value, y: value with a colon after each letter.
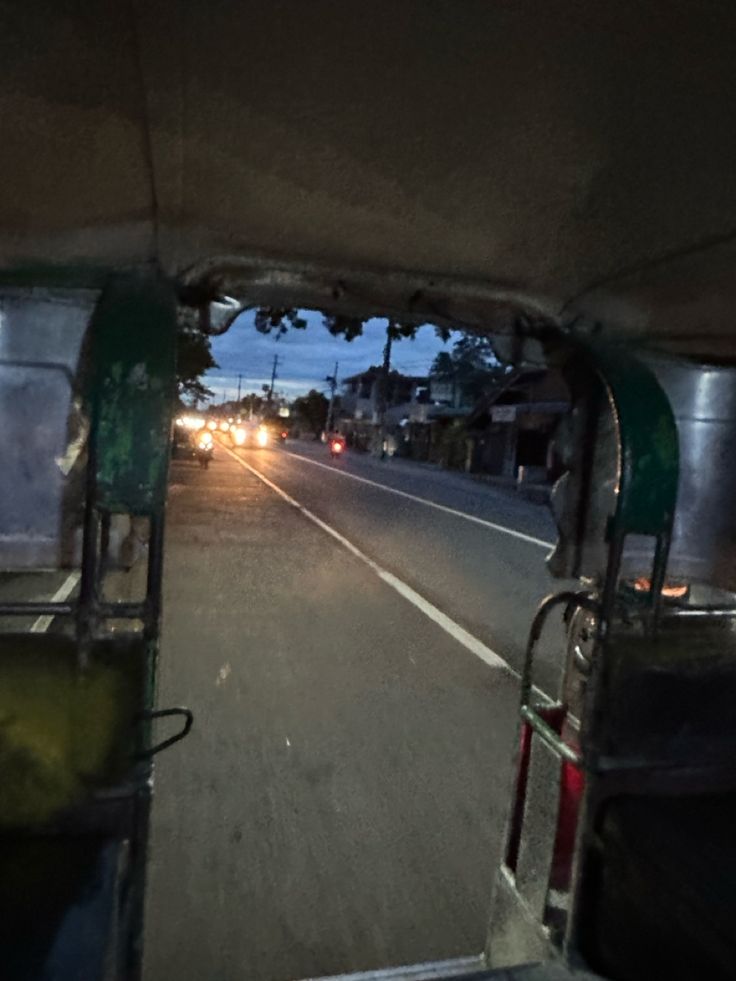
x: 307, y: 357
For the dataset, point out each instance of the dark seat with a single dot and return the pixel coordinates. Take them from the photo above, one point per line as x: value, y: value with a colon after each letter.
x: 671, y: 697
x: 64, y: 731
x: 664, y: 904
x: 59, y: 907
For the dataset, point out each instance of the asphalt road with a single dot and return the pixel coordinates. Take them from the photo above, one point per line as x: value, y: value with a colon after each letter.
x: 340, y: 801
x: 489, y: 578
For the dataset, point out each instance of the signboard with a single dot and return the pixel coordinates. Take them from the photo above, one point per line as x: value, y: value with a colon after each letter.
x: 503, y: 413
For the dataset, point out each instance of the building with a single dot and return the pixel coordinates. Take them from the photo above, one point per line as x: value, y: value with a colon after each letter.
x: 512, y: 425
x: 362, y: 394
x: 359, y: 418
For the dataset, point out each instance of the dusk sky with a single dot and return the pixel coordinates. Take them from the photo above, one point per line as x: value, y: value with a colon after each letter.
x: 306, y: 357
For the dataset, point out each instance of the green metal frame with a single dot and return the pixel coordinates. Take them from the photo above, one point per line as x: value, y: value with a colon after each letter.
x: 647, y: 481
x: 131, y: 389
x: 128, y: 390
x: 648, y: 442
x: 648, y: 467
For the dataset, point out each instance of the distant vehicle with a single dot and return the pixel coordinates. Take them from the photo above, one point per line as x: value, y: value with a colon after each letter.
x: 337, y: 446
x: 203, y: 447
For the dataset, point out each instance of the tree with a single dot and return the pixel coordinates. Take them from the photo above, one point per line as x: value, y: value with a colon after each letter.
x: 193, y: 358
x: 444, y: 369
x: 278, y: 319
x: 476, y: 350
x: 252, y: 404
x: 310, y: 410
x: 471, y: 367
x: 273, y: 319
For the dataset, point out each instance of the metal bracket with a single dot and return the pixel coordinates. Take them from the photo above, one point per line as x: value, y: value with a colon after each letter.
x: 151, y: 714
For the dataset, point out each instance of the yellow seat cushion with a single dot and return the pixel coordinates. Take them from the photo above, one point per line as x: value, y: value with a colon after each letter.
x: 62, y: 731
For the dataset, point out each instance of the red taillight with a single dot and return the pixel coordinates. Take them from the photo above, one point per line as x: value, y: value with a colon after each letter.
x: 283, y: 435
x: 572, y: 783
x: 337, y: 447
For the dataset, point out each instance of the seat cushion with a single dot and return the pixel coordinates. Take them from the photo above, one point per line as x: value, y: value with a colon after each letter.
x: 63, y: 731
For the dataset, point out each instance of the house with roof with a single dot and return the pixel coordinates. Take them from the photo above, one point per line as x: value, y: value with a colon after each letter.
x: 407, y: 399
x: 512, y: 425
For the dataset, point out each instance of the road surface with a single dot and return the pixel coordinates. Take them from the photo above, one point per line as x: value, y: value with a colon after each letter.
x: 351, y: 664
x: 475, y: 550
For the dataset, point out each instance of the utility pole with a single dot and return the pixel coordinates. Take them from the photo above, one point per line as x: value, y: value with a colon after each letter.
x: 240, y: 379
x: 332, y: 379
x: 383, y: 390
x: 273, y: 378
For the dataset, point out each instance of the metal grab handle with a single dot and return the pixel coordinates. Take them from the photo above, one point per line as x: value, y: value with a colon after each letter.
x: 528, y: 711
x: 548, y: 736
x: 150, y: 715
x: 568, y: 597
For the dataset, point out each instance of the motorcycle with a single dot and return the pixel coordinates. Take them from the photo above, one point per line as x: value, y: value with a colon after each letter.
x: 203, y: 448
x: 337, y: 447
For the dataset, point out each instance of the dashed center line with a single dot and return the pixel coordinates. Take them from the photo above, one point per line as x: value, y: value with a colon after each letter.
x: 450, y: 626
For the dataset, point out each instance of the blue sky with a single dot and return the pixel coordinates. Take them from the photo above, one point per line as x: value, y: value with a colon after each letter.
x: 306, y: 357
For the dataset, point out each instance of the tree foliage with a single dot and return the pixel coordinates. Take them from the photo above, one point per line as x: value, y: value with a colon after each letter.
x: 253, y: 404
x: 193, y: 359
x: 310, y: 411
x: 278, y: 320
x: 471, y: 366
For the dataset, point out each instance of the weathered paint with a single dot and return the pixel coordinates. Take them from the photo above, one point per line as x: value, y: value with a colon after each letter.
x: 131, y: 392
x: 649, y: 447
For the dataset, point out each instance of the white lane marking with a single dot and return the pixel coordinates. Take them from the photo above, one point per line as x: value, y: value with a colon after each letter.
x: 430, y: 504
x: 288, y: 744
x: 64, y: 591
x: 223, y: 674
x: 458, y: 633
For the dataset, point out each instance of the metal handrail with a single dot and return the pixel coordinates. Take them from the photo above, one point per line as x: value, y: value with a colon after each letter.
x: 567, y: 597
x: 107, y: 611
x: 528, y: 711
x: 34, y: 608
x: 549, y: 737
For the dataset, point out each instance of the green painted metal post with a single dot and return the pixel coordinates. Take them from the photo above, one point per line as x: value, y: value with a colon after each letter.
x: 130, y: 394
